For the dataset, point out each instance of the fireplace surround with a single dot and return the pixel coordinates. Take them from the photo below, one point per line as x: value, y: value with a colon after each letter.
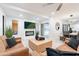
x: 29, y: 33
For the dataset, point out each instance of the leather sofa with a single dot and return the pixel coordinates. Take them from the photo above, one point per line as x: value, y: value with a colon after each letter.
x: 65, y: 47
x: 16, y: 50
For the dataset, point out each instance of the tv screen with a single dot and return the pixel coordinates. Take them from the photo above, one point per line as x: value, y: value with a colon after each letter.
x: 29, y: 25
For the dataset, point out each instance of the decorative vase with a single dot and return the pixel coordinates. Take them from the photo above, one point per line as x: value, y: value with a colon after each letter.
x: 37, y: 36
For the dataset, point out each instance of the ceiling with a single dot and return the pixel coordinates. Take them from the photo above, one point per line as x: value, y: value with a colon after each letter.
x: 37, y: 8
x: 41, y: 10
x: 29, y: 10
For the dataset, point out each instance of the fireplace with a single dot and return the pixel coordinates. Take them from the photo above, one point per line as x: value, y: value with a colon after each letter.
x: 29, y: 33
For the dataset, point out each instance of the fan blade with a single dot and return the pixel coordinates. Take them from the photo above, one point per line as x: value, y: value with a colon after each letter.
x: 59, y: 7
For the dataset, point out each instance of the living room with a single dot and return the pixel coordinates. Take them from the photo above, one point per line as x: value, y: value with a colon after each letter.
x: 48, y: 27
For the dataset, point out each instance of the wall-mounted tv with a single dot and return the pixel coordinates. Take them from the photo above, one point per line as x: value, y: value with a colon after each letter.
x: 29, y: 25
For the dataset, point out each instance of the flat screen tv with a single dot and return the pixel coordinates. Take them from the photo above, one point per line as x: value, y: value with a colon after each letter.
x: 29, y: 25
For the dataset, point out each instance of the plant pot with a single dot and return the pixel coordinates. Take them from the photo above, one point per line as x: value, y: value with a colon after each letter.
x: 11, y: 42
x: 36, y: 37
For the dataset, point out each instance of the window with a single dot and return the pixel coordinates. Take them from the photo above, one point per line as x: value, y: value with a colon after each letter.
x: 45, y: 29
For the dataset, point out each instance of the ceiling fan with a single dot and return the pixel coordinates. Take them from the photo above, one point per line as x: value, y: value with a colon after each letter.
x: 58, y: 8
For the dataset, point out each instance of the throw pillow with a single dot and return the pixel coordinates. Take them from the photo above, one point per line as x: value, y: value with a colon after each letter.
x: 52, y: 52
x: 11, y: 42
x: 73, y: 43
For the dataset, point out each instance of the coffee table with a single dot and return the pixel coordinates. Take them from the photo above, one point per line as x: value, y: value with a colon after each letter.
x: 40, y: 46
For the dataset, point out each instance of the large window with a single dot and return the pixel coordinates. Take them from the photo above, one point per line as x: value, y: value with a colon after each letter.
x: 45, y: 29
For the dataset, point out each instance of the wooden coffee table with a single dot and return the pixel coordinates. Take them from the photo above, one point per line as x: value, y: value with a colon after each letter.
x: 39, y: 46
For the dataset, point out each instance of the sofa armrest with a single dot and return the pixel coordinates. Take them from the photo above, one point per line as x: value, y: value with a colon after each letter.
x: 18, y: 40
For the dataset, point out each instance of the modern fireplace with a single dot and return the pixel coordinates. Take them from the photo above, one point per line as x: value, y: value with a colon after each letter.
x: 29, y: 33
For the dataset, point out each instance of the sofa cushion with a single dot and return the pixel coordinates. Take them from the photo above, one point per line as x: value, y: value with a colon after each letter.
x: 65, y: 47
x: 73, y: 43
x: 17, y: 50
x: 11, y: 42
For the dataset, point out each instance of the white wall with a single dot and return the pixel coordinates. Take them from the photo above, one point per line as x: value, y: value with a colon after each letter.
x: 54, y: 34
x: 76, y: 27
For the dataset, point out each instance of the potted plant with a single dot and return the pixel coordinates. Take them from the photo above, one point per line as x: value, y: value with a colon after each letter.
x: 9, y: 33
x: 10, y: 40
